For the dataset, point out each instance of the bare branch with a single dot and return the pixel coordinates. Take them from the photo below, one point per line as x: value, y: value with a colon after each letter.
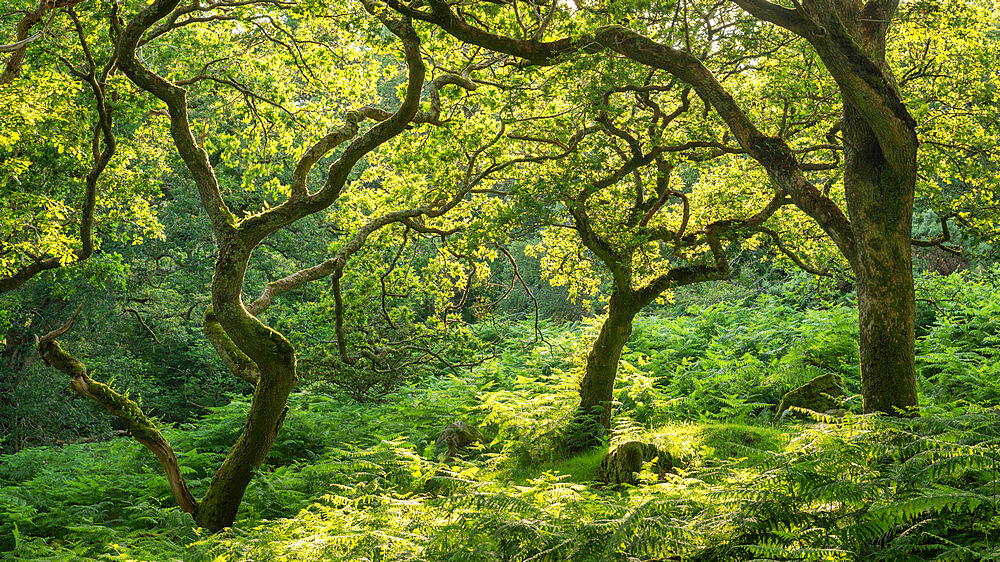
x: 62, y: 329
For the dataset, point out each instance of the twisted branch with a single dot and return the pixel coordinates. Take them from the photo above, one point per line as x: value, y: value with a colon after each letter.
x: 139, y: 425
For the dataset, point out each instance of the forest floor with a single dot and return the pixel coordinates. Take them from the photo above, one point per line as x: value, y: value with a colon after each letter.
x: 353, y: 481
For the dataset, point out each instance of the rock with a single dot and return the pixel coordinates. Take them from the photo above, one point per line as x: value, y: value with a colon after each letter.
x: 455, y: 436
x: 621, y: 465
x: 934, y: 258
x: 822, y: 394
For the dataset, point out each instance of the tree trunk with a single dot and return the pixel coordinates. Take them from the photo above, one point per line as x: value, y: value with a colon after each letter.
x: 886, y: 318
x: 592, y: 419
x: 880, y: 204
x: 274, y: 357
x: 219, y: 507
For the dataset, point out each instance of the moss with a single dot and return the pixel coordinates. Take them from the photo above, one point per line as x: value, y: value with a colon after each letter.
x: 54, y: 356
x: 581, y: 468
x: 116, y: 403
x: 821, y: 394
x: 869, y: 71
x: 774, y: 152
x: 211, y: 323
x: 729, y: 441
x: 621, y: 465
x: 699, y: 444
x: 127, y: 410
x: 456, y: 436
x: 281, y: 347
x: 577, y: 468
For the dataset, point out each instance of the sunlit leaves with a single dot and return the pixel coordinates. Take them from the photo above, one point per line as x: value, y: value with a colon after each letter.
x: 947, y: 54
x: 47, y: 120
x: 565, y: 264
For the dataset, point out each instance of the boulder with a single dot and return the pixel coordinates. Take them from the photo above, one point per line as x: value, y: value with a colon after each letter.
x: 824, y: 393
x: 622, y: 465
x: 456, y: 436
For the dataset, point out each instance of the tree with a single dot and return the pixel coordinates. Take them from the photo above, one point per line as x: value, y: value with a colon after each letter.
x: 876, y: 131
x: 650, y: 230
x: 254, y: 351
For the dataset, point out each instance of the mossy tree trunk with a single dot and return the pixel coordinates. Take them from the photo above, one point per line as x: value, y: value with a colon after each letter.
x: 879, y: 142
x: 592, y: 418
x: 880, y: 163
x: 882, y: 198
x: 138, y: 424
x: 255, y: 352
x: 275, y: 360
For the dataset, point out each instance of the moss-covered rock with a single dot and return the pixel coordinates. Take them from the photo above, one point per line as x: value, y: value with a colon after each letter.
x: 822, y: 394
x: 456, y: 436
x: 622, y: 465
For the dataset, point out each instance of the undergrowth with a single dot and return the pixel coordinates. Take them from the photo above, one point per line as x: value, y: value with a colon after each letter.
x: 347, y: 481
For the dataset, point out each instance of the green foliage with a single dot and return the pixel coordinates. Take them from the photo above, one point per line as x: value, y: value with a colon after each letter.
x: 353, y: 474
x: 868, y: 487
x: 957, y: 358
x: 733, y: 361
x: 347, y: 480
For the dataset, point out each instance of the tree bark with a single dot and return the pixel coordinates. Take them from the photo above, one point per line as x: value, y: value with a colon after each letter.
x: 275, y: 361
x: 880, y: 200
x: 592, y: 419
x: 259, y: 354
x: 880, y: 168
x: 139, y: 425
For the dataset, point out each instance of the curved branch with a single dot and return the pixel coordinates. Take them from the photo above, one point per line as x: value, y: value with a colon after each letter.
x: 238, y: 362
x: 350, y: 128
x: 58, y: 332
x: 792, y: 20
x: 939, y: 240
x: 691, y: 274
x: 194, y: 156
x: 11, y: 47
x: 103, y: 134
x: 138, y: 424
x: 697, y: 273
x: 19, y: 48
x: 773, y: 153
x: 790, y: 254
x: 861, y: 76
x: 138, y: 317
x: 527, y: 291
x: 351, y: 247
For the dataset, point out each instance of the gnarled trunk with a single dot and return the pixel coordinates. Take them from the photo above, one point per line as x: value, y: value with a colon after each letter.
x: 274, y: 357
x: 219, y: 507
x: 592, y: 418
